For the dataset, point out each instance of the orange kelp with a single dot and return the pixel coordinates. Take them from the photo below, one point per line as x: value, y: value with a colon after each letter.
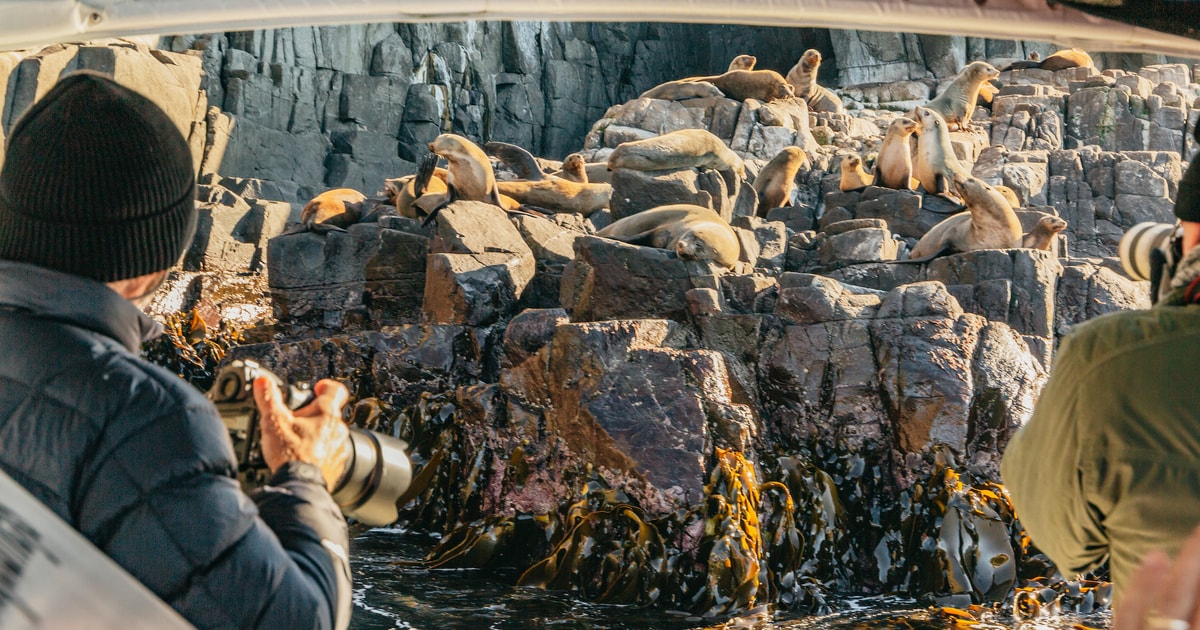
x: 191, y: 348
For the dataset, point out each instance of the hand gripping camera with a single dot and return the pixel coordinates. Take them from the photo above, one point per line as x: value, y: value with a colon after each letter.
x: 377, y: 473
x: 1151, y: 251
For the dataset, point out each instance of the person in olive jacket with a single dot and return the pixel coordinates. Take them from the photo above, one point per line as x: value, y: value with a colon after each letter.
x: 1108, y: 467
x: 96, y: 203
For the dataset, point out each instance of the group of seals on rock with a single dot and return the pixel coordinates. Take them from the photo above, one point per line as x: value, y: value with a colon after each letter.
x: 803, y: 78
x: 989, y: 223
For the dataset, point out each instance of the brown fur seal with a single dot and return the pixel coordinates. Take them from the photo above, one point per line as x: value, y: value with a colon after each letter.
x: 990, y: 223
x: 559, y: 195
x: 775, y: 182
x: 957, y: 102
x: 692, y: 232
x: 402, y: 192
x: 803, y: 77
x: 742, y: 62
x: 739, y: 85
x: 574, y: 169
x: 935, y: 165
x: 1010, y: 195
x: 337, y: 208
x: 1042, y: 235
x: 678, y: 149
x: 469, y: 172
x: 1058, y: 60
x: 894, y: 167
x: 853, y: 175
x: 683, y: 89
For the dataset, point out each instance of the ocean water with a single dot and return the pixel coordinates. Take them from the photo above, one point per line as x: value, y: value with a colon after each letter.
x: 388, y: 593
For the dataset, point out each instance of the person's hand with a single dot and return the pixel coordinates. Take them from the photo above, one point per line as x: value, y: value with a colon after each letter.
x: 1161, y: 595
x: 314, y: 433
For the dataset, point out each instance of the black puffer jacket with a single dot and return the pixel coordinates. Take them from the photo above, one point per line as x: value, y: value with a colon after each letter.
x: 138, y: 461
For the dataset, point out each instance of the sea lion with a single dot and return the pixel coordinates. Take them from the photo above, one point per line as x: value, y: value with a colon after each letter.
x: 1042, y: 235
x: 683, y: 89
x: 853, y: 175
x: 692, y: 232
x: 935, y: 165
x: 894, y: 166
x: 957, y: 102
x: 777, y: 179
x: 469, y: 172
x: 338, y: 208
x: 515, y: 158
x: 989, y: 223
x: 739, y: 85
x: 1010, y: 195
x: 1058, y: 60
x: 742, y: 62
x: 558, y: 194
x: 803, y: 78
x: 678, y: 149
x: 402, y: 192
x: 574, y: 169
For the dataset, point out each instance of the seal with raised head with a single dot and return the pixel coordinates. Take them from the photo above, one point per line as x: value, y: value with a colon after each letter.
x: 803, y: 78
x: 739, y: 85
x: 695, y: 148
x: 574, y: 169
x: 935, y: 165
x: 683, y: 89
x: 336, y: 208
x: 692, y: 232
x: 989, y: 223
x: 777, y: 179
x: 957, y: 102
x: 894, y: 166
x: 469, y: 171
x: 853, y: 175
x: 1042, y: 235
x: 742, y: 62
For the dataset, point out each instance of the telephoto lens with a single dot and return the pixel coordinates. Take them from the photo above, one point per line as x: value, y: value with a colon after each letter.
x: 1138, y: 245
x: 377, y: 473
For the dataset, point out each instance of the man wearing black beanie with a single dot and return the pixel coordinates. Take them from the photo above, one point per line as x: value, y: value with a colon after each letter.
x: 1108, y: 466
x: 96, y: 203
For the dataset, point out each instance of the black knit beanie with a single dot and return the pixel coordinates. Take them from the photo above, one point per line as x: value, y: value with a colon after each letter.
x: 97, y: 182
x: 1187, y: 200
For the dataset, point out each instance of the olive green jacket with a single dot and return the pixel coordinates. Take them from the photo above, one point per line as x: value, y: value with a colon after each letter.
x: 1109, y: 464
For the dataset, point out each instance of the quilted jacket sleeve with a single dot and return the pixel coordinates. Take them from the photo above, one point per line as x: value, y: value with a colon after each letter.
x: 161, y: 500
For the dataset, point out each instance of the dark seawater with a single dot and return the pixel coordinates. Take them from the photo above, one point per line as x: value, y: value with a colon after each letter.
x: 389, y: 595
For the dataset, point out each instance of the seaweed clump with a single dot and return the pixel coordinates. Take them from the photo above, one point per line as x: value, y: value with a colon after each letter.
x: 192, y: 348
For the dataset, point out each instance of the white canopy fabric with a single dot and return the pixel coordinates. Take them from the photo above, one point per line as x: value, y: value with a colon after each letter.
x: 30, y: 23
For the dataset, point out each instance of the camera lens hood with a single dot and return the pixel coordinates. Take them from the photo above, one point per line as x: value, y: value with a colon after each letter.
x: 376, y: 475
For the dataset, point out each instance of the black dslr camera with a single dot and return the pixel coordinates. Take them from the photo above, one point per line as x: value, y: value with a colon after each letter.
x: 1151, y: 251
x: 377, y: 473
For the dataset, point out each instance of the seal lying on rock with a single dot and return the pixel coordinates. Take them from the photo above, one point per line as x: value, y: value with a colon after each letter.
x: 853, y: 175
x: 338, y: 208
x: 803, y: 78
x: 558, y: 194
x: 692, y: 232
x: 1042, y: 235
x: 742, y: 62
x: 1058, y: 60
x: 686, y: 148
x: 957, y: 102
x: 777, y: 179
x: 936, y: 165
x: 739, y: 85
x: 990, y: 223
x: 894, y: 166
x: 683, y: 89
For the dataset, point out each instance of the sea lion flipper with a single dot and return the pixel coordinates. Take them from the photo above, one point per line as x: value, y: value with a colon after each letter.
x: 424, y: 174
x: 450, y: 196
x: 517, y: 158
x: 645, y: 238
x: 946, y: 249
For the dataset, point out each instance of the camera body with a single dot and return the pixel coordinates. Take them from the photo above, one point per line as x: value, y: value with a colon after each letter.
x: 1151, y: 251
x: 377, y: 473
